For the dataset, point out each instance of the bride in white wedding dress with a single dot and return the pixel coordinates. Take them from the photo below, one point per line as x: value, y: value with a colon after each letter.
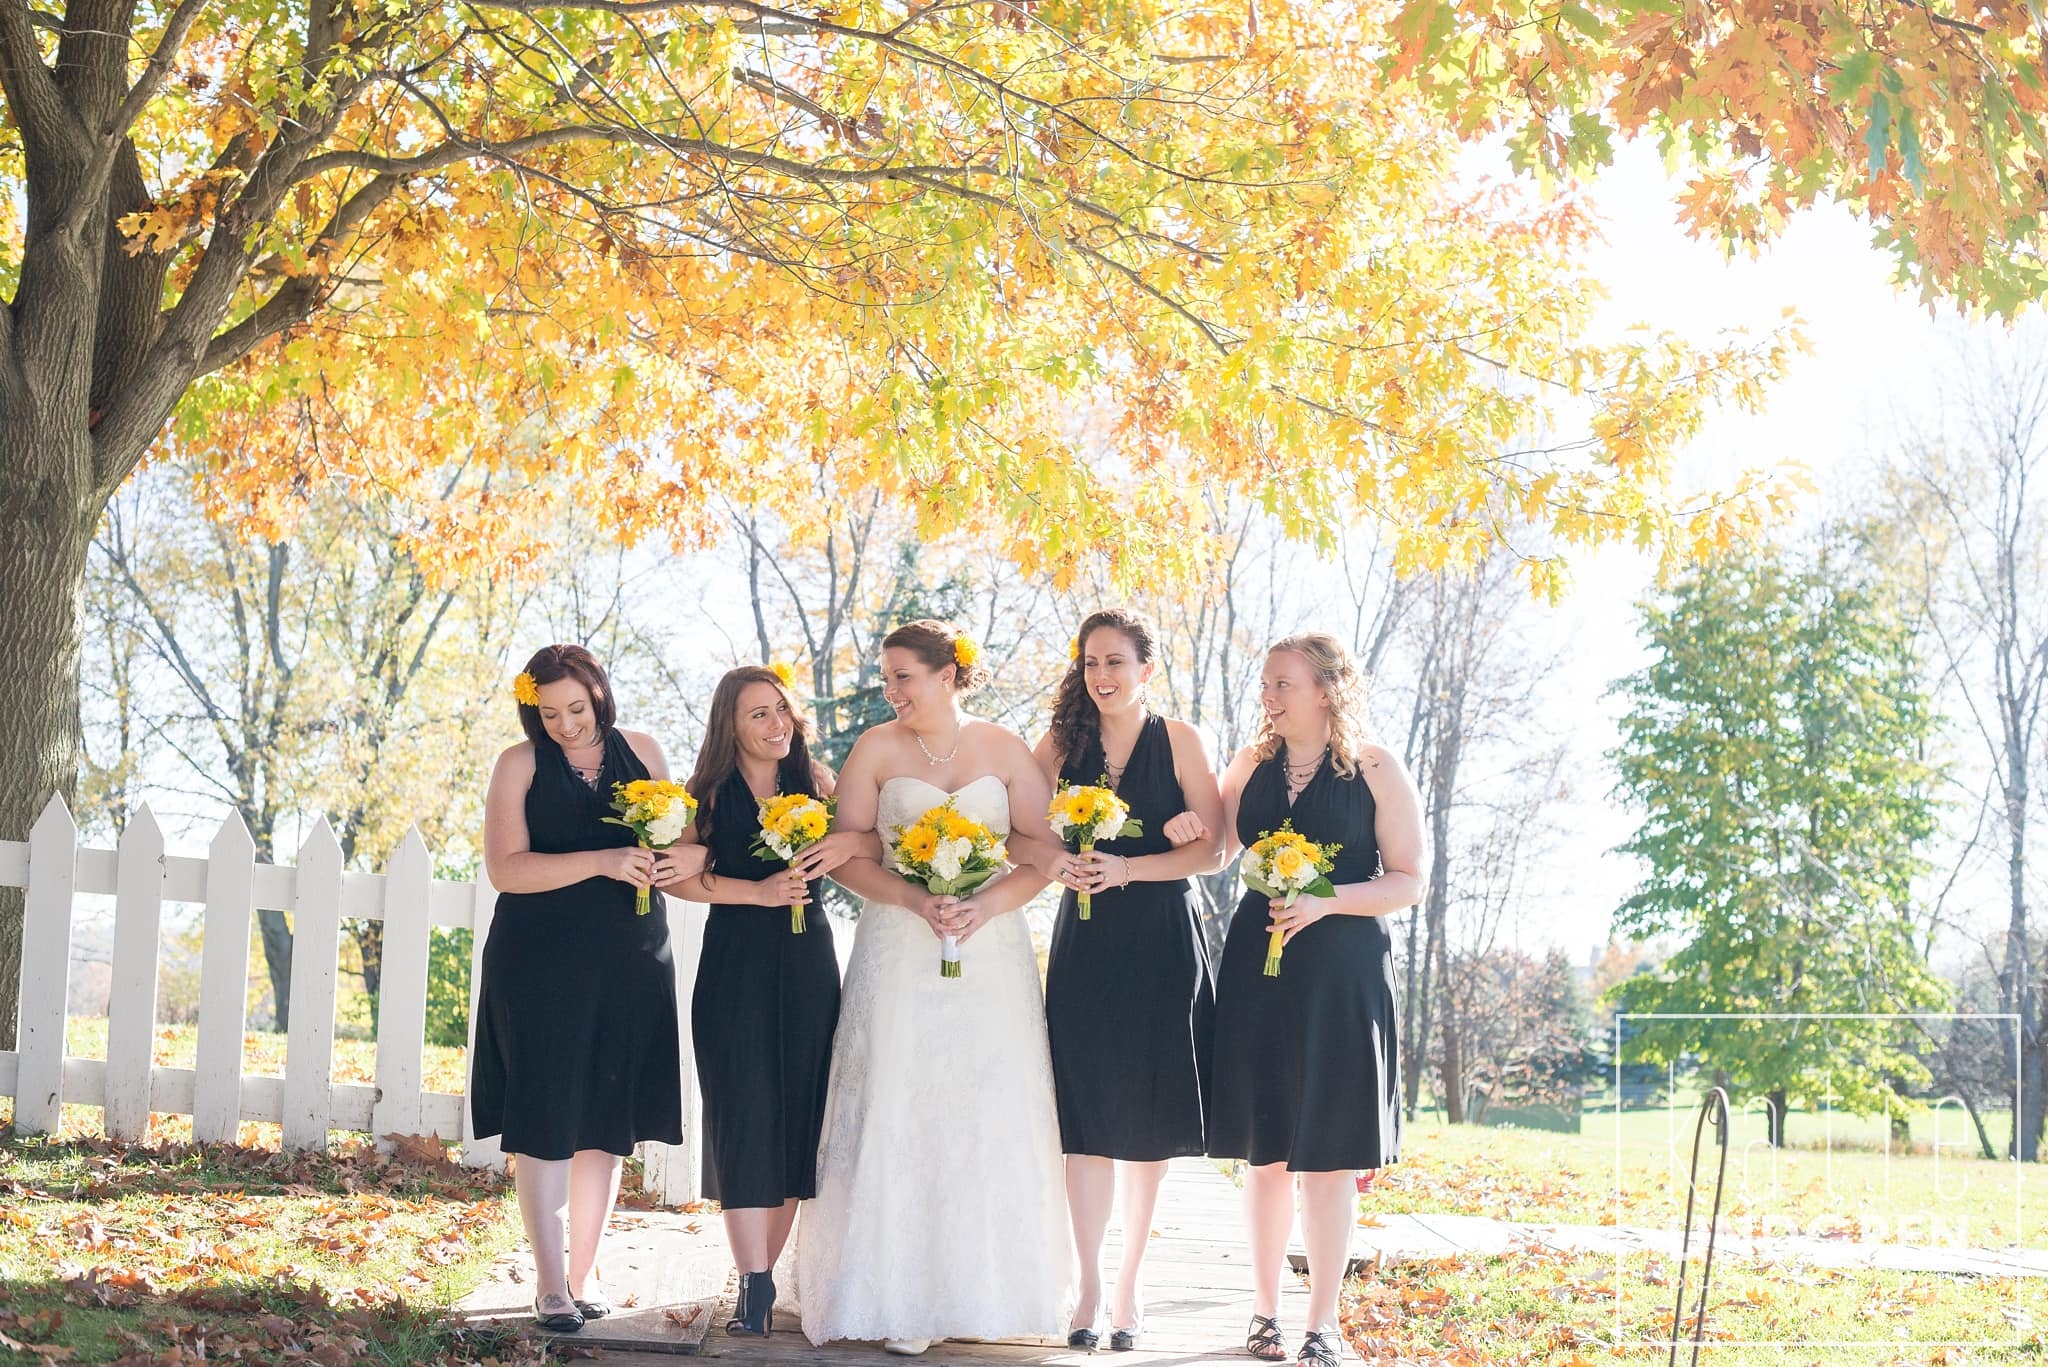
x: 941, y: 1207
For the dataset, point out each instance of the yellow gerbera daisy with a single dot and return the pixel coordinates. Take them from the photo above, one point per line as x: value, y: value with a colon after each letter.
x: 920, y: 842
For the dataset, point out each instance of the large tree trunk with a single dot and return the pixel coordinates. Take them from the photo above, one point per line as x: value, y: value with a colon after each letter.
x: 2016, y: 980
x: 1774, y: 1116
x: 1411, y: 1052
x: 276, y: 931
x: 47, y: 514
x: 1453, y: 1072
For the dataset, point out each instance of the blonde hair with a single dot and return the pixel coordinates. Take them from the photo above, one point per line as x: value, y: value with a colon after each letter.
x: 1337, y: 675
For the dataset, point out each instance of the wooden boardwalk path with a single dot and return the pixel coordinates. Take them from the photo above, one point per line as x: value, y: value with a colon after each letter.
x: 1199, y: 1288
x: 677, y: 1274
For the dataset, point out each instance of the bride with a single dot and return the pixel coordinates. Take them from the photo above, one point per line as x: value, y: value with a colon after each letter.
x: 940, y: 1208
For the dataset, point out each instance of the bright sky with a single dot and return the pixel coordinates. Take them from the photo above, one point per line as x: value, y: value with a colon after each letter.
x: 1875, y: 352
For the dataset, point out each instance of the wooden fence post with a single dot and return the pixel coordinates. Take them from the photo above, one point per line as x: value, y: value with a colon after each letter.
x: 224, y: 983
x: 402, y: 1002
x: 316, y: 944
x: 131, y: 998
x: 45, y: 969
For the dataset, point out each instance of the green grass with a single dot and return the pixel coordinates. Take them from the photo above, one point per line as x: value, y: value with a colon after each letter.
x: 109, y: 1250
x: 443, y: 1069
x: 1535, y: 1306
x: 1532, y: 1175
x: 1539, y: 1307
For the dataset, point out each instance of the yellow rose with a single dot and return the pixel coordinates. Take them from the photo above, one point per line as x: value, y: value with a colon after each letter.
x: 954, y: 824
x: 1288, y: 863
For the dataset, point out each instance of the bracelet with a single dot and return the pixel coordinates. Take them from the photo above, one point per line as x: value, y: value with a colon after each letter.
x: 1127, y: 870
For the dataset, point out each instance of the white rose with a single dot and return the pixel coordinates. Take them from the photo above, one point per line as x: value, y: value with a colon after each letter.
x: 946, y: 859
x: 666, y: 830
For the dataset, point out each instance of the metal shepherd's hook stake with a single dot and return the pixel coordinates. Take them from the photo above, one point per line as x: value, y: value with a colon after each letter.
x: 1715, y: 1108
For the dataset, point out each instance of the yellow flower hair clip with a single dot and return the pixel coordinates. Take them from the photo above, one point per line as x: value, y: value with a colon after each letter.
x: 1073, y: 650
x: 525, y: 689
x: 781, y: 670
x: 965, y: 651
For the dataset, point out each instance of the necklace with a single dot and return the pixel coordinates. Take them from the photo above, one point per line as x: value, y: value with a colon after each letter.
x: 1298, y: 775
x: 936, y: 760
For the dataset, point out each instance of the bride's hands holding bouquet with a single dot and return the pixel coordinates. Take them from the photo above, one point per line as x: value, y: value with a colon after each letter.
x: 936, y: 909
x: 969, y: 915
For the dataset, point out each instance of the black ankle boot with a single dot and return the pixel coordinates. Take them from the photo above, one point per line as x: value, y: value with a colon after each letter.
x: 755, y: 1311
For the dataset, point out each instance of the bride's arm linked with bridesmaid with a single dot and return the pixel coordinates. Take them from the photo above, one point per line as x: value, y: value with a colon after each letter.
x: 920, y: 1121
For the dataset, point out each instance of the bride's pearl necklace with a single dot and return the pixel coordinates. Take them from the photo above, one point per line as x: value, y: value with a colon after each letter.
x: 936, y: 760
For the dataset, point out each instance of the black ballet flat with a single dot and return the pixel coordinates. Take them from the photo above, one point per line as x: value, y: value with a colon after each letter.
x: 596, y: 1308
x: 558, y: 1321
x: 1123, y: 1340
x: 1084, y: 1340
x: 754, y: 1312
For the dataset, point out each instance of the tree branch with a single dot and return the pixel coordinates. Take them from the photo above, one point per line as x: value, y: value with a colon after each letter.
x: 294, y: 300
x: 152, y: 78
x: 33, y: 96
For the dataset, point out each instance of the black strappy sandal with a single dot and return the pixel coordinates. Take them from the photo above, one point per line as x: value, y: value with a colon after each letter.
x: 1262, y: 1340
x: 1316, y: 1351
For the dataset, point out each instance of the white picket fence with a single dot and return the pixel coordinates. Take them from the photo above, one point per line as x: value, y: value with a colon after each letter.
x: 216, y: 1093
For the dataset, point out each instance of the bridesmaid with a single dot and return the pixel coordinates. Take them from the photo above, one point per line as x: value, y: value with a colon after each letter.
x: 1307, y: 1084
x: 1128, y: 998
x: 766, y: 1000
x: 577, y: 1057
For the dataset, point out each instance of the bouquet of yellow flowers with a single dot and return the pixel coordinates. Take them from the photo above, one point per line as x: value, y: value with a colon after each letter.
x: 790, y: 824
x: 656, y: 810
x: 1287, y: 864
x: 950, y: 854
x: 1089, y: 814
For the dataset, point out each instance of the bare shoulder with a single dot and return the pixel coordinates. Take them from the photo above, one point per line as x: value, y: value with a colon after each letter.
x: 515, y: 761
x: 1186, y: 739
x: 1375, y: 761
x: 643, y: 744
x: 871, y: 745
x: 999, y: 740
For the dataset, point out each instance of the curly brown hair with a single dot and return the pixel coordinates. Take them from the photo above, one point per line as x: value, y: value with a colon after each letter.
x: 1075, y: 719
x: 936, y: 644
x: 1337, y: 675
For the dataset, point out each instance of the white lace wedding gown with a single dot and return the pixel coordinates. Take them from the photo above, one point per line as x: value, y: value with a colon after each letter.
x: 941, y: 1207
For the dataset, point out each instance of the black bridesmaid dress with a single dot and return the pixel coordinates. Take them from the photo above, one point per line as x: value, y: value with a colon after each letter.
x: 762, y: 1016
x: 1307, y: 1065
x: 1129, y: 1004
x: 576, y: 1041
